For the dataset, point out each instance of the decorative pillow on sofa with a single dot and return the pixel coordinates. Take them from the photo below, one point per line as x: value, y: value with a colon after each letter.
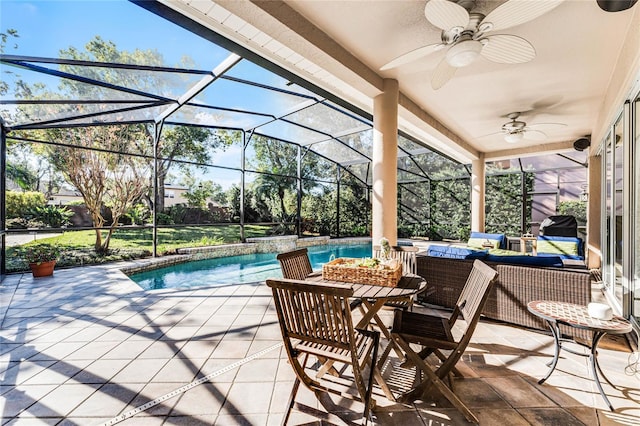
x: 456, y: 252
x: 565, y: 247
x: 477, y: 239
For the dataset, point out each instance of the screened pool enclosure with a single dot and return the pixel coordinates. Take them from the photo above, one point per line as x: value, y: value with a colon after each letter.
x: 95, y: 136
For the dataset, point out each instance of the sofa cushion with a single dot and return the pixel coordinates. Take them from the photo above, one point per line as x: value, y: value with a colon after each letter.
x: 477, y: 239
x: 565, y: 247
x: 452, y: 252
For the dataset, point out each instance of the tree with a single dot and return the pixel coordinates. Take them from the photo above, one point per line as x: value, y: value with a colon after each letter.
x: 277, y: 163
x: 187, y: 143
x: 200, y: 191
x: 4, y: 39
x: 102, y: 178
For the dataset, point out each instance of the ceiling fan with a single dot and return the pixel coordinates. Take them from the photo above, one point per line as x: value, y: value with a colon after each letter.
x: 466, y: 35
x: 516, y: 130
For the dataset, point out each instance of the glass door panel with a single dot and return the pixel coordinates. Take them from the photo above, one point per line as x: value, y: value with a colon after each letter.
x: 607, y: 268
x: 618, y: 197
x: 635, y: 165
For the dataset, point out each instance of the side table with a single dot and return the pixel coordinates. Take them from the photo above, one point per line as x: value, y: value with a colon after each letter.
x: 534, y: 244
x: 577, y: 316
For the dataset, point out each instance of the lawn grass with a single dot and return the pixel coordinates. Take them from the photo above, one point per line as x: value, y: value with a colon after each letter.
x: 77, y: 247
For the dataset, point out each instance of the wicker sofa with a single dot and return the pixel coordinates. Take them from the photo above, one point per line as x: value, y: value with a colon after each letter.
x: 515, y: 287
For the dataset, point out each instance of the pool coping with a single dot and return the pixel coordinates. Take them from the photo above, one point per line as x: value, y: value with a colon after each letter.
x: 253, y: 245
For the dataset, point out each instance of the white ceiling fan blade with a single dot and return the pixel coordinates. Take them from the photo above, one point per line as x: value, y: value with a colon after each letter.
x: 412, y: 56
x: 546, y: 126
x: 501, y: 132
x: 535, y: 135
x: 508, y: 49
x: 445, y: 14
x: 442, y: 74
x: 516, y: 12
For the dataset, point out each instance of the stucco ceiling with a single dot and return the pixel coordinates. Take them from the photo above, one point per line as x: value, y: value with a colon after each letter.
x: 345, y: 43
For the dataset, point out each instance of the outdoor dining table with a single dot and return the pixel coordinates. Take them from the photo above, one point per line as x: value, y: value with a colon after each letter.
x: 373, y: 298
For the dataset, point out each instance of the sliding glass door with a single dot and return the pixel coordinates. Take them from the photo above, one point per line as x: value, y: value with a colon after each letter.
x: 635, y: 239
x: 612, y: 253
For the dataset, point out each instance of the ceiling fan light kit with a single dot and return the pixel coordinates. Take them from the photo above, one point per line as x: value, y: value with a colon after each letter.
x: 513, y: 137
x: 463, y: 53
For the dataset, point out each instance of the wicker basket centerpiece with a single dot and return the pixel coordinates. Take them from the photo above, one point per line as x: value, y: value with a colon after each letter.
x: 363, y: 271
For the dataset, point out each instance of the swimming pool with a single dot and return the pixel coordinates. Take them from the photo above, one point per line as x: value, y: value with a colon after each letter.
x: 245, y: 268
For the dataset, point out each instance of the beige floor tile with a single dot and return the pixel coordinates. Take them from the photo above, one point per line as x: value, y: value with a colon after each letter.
x: 619, y: 417
x: 19, y: 399
x: 30, y: 421
x: 100, y: 371
x: 197, y: 347
x: 549, y: 416
x: 219, y: 368
x: 258, y: 370
x: 249, y: 398
x: 242, y: 420
x: 151, y: 392
x: 493, y: 417
x: 586, y: 415
x: 139, y: 371
x: 127, y: 349
x: 21, y: 371
x: 179, y: 370
x: 477, y: 393
x: 518, y: 392
x: 195, y: 420
x: 59, y: 372
x: 567, y: 390
x: 61, y: 401
x: 110, y: 400
x: 162, y: 349
x: 205, y: 399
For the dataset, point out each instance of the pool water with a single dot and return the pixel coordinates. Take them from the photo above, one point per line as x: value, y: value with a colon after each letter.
x: 237, y: 269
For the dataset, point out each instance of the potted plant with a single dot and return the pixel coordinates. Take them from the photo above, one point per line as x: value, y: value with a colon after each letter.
x: 42, y: 259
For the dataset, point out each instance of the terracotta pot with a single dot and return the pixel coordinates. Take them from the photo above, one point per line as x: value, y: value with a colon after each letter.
x: 43, y: 269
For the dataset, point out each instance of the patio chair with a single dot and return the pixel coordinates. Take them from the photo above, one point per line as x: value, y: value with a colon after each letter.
x: 433, y: 332
x: 407, y: 256
x: 315, y: 321
x: 295, y: 264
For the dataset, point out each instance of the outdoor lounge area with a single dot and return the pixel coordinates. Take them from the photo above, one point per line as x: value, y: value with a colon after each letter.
x: 230, y: 212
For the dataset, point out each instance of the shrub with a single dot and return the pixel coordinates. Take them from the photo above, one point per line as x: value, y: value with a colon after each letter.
x: 578, y: 209
x: 23, y: 204
x: 54, y: 216
x: 139, y: 214
x: 164, y: 219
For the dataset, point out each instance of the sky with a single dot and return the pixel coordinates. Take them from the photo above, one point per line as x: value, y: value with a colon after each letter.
x: 74, y: 23
x: 46, y: 27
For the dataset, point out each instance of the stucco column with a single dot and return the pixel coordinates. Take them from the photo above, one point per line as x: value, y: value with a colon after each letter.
x: 477, y: 194
x: 593, y: 248
x: 384, y: 209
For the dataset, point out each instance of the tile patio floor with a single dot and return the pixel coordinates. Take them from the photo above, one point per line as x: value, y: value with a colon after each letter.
x: 88, y: 347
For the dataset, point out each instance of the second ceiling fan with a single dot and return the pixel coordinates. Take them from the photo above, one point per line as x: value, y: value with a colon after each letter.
x: 466, y: 35
x: 516, y: 130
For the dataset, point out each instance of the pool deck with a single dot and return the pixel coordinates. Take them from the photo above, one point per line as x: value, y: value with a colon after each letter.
x: 89, y: 347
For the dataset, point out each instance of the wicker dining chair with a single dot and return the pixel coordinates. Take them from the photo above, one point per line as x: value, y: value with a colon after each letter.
x: 433, y: 332
x: 295, y: 264
x: 315, y: 321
